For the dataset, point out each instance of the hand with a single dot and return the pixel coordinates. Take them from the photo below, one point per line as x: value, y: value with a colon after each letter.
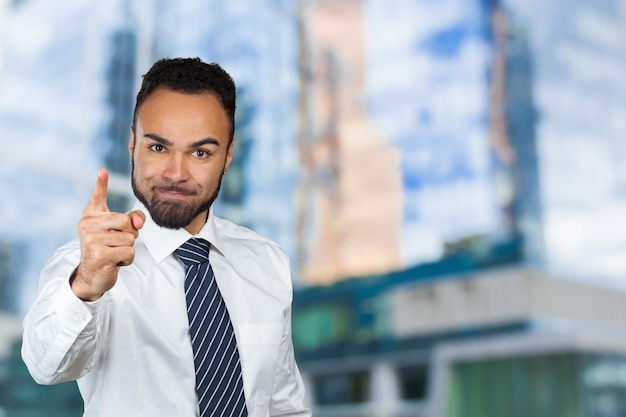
x: 106, y: 243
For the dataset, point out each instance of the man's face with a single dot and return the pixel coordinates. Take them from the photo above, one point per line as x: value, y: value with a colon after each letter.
x: 179, y: 153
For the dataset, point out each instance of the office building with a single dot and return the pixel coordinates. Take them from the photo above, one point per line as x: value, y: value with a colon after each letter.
x: 444, y: 175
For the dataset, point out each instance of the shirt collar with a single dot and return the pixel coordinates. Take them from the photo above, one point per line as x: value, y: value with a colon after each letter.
x: 161, y: 241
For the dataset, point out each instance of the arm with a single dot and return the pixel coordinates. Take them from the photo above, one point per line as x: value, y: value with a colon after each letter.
x: 62, y: 333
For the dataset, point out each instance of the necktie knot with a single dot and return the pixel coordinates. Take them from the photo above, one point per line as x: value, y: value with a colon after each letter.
x: 194, y: 251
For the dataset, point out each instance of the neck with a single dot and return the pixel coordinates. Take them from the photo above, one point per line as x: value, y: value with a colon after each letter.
x: 197, y: 223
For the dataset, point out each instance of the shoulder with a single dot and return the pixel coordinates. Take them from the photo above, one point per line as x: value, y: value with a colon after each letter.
x: 254, y: 250
x: 243, y: 237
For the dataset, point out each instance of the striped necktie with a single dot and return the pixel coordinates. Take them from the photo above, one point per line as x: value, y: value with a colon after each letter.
x: 219, y: 383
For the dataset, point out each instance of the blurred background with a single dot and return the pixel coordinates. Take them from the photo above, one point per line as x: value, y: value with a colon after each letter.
x: 448, y: 177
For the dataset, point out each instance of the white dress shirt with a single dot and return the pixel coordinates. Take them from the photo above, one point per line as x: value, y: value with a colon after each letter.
x: 130, y: 350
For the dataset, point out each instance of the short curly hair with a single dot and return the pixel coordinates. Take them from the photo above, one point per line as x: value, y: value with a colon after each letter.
x: 191, y: 76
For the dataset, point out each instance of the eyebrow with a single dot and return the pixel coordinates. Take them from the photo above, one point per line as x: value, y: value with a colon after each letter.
x: 201, y: 142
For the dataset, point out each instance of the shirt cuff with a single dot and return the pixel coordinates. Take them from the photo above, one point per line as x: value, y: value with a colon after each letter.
x: 75, y: 314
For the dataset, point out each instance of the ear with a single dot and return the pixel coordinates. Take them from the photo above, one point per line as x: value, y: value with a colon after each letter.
x: 229, y: 155
x: 131, y: 143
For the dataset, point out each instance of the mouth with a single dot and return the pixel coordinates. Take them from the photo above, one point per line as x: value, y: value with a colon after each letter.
x: 174, y: 192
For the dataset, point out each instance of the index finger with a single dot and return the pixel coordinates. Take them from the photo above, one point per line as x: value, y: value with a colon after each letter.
x: 98, y: 201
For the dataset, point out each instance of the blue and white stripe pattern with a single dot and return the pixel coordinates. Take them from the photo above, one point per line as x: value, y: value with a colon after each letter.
x: 219, y: 381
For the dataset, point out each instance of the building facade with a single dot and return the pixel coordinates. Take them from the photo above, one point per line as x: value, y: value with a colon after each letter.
x: 414, y: 158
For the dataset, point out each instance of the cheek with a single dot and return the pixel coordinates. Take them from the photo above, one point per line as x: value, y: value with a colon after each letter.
x: 207, y: 177
x: 145, y: 168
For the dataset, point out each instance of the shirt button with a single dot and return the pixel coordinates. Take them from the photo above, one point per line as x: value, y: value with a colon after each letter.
x: 80, y: 318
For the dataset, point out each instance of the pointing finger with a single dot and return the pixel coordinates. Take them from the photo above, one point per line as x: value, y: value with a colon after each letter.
x: 98, y: 201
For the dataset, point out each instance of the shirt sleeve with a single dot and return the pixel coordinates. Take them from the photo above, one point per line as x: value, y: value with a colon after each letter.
x: 288, y: 393
x: 61, y: 332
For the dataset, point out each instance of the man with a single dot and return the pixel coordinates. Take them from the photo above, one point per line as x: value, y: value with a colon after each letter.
x: 129, y: 309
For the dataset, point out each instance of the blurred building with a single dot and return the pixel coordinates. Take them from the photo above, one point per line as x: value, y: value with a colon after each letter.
x: 525, y: 317
x: 448, y: 177
x: 487, y: 340
x: 349, y: 166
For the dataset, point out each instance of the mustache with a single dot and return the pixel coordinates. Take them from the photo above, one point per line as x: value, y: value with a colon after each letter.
x: 175, y: 188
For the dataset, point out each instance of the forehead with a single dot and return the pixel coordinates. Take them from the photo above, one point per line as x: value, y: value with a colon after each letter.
x: 176, y: 115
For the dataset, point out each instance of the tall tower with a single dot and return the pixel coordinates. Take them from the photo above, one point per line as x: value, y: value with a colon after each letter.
x: 120, y: 85
x: 350, y: 196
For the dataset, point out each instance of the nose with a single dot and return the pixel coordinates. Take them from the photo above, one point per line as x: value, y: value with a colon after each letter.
x: 176, y: 168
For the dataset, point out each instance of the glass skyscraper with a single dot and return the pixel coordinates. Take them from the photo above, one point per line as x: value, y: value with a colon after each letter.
x: 396, y: 143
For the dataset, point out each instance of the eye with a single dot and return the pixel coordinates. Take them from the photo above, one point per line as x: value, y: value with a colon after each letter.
x: 201, y: 153
x: 157, y: 147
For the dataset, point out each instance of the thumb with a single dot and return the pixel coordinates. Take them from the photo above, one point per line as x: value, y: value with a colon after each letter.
x: 98, y: 201
x: 138, y: 219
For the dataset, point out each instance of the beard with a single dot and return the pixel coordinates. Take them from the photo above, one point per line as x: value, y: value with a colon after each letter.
x: 173, y: 214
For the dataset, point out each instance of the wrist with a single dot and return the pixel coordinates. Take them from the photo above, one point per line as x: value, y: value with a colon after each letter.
x: 80, y: 289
